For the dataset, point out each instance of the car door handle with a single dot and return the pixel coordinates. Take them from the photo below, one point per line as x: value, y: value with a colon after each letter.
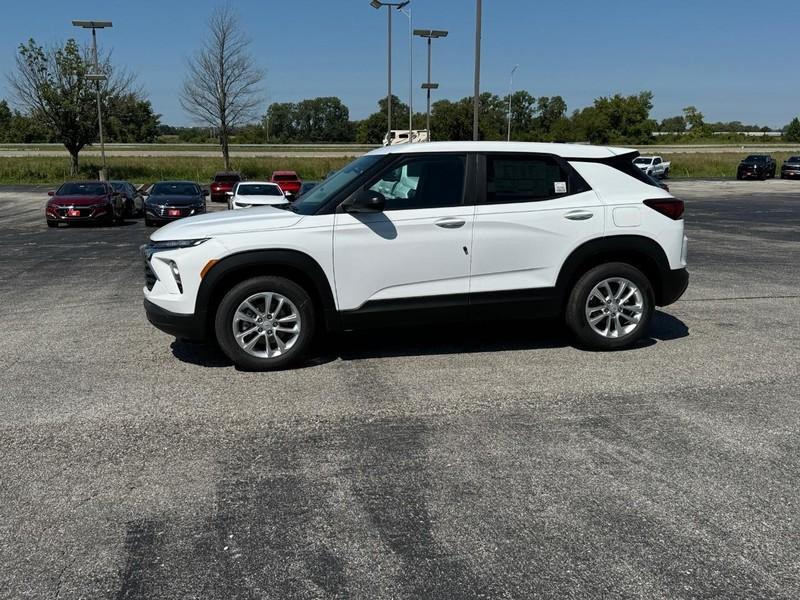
x: 450, y: 223
x: 579, y: 215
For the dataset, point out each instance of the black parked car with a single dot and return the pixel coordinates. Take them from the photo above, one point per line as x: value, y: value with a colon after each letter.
x: 171, y: 200
x: 791, y: 168
x: 134, y: 202
x: 757, y: 166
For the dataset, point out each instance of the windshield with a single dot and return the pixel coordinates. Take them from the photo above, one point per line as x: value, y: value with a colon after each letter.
x: 643, y: 161
x: 82, y: 189
x: 310, y: 202
x: 119, y: 186
x: 175, y: 189
x: 794, y: 159
x: 756, y: 158
x: 258, y: 189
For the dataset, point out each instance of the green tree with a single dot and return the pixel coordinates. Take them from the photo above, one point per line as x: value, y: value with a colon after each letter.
x: 51, y: 84
x: 792, y: 133
x: 675, y: 124
x: 323, y: 120
x: 373, y: 129
x: 279, y: 122
x: 131, y: 119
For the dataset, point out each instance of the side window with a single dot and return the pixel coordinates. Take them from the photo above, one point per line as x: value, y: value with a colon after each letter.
x: 520, y: 178
x: 657, y: 161
x: 428, y: 181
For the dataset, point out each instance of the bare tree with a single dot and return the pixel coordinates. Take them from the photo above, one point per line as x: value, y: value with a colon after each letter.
x: 221, y: 87
x: 50, y: 84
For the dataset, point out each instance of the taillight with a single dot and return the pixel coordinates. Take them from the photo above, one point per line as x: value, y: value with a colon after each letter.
x: 669, y: 207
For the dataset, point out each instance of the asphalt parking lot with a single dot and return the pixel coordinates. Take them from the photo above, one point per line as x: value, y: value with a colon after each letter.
x: 462, y: 462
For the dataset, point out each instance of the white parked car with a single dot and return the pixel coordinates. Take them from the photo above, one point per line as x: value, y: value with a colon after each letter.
x: 655, y: 166
x: 248, y: 194
x: 417, y: 233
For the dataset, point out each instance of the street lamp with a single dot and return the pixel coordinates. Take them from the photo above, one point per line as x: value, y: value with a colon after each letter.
x: 378, y: 4
x: 97, y: 77
x: 510, y: 87
x: 429, y: 34
x: 476, y: 102
x: 410, y: 70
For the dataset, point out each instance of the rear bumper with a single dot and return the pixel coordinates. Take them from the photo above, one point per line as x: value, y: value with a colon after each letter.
x: 188, y: 327
x: 673, y: 285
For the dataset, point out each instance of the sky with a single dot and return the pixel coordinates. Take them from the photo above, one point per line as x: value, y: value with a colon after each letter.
x: 726, y: 58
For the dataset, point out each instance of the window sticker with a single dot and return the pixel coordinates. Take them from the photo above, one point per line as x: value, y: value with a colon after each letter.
x: 561, y: 187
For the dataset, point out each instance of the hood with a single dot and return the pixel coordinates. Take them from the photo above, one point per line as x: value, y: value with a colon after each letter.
x: 78, y: 200
x: 163, y: 200
x: 227, y: 222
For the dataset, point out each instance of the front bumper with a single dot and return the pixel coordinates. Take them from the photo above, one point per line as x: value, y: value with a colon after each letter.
x: 188, y: 327
x: 673, y: 285
x: 790, y: 173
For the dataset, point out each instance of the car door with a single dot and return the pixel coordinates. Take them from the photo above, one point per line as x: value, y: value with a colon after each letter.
x: 533, y: 211
x: 416, y: 252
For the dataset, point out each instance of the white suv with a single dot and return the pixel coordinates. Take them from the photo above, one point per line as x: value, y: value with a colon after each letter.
x: 450, y: 230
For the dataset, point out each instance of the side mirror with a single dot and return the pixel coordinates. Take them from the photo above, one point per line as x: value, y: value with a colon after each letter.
x: 365, y: 201
x: 51, y: 193
x: 205, y: 193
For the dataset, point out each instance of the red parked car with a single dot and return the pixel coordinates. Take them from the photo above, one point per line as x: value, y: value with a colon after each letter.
x: 84, y: 202
x: 288, y: 181
x: 222, y: 183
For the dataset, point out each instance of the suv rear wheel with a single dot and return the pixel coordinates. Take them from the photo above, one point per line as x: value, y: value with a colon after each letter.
x: 265, y: 323
x: 610, y: 306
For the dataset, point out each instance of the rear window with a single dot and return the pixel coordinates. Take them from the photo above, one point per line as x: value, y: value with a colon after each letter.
x: 284, y: 177
x: 258, y: 189
x: 227, y: 178
x: 82, y: 189
x: 518, y: 178
x: 756, y: 158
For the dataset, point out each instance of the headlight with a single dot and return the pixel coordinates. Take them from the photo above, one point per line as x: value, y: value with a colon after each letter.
x: 149, y: 249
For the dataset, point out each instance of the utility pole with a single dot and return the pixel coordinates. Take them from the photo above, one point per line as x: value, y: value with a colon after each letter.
x: 97, y: 77
x: 510, y: 88
x: 429, y: 34
x: 476, y: 105
x: 378, y: 5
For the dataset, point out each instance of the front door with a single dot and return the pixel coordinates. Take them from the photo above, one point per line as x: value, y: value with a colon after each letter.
x: 416, y: 252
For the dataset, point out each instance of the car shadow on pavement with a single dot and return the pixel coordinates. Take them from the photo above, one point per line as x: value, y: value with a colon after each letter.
x: 465, y: 338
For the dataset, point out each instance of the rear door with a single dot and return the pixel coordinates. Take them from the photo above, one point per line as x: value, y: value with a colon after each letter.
x: 533, y: 211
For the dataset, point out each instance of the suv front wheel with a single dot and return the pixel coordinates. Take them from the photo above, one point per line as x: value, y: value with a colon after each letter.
x: 610, y: 306
x: 265, y: 323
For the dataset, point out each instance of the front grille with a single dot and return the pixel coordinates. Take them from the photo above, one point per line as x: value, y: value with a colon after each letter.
x: 149, y: 275
x: 84, y: 211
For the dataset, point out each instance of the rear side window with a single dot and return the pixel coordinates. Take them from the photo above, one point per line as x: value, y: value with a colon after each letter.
x: 519, y: 178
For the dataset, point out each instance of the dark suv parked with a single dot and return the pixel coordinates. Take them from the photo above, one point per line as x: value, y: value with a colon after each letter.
x: 757, y: 166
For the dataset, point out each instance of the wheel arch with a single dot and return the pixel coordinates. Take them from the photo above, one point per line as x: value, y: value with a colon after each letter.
x: 292, y: 264
x: 639, y: 251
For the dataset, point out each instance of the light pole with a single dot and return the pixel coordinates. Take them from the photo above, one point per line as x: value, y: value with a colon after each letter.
x: 97, y: 77
x: 510, y: 87
x: 410, y: 70
x: 379, y: 4
x: 429, y: 34
x: 476, y: 103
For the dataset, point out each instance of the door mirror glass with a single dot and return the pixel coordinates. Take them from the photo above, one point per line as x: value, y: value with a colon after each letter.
x: 364, y: 201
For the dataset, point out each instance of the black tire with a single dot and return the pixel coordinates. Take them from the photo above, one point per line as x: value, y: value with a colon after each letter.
x: 52, y: 223
x: 666, y: 174
x: 223, y: 322
x: 738, y: 176
x: 149, y: 222
x: 578, y: 322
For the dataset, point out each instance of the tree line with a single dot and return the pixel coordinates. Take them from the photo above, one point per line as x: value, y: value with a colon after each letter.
x: 55, y: 102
